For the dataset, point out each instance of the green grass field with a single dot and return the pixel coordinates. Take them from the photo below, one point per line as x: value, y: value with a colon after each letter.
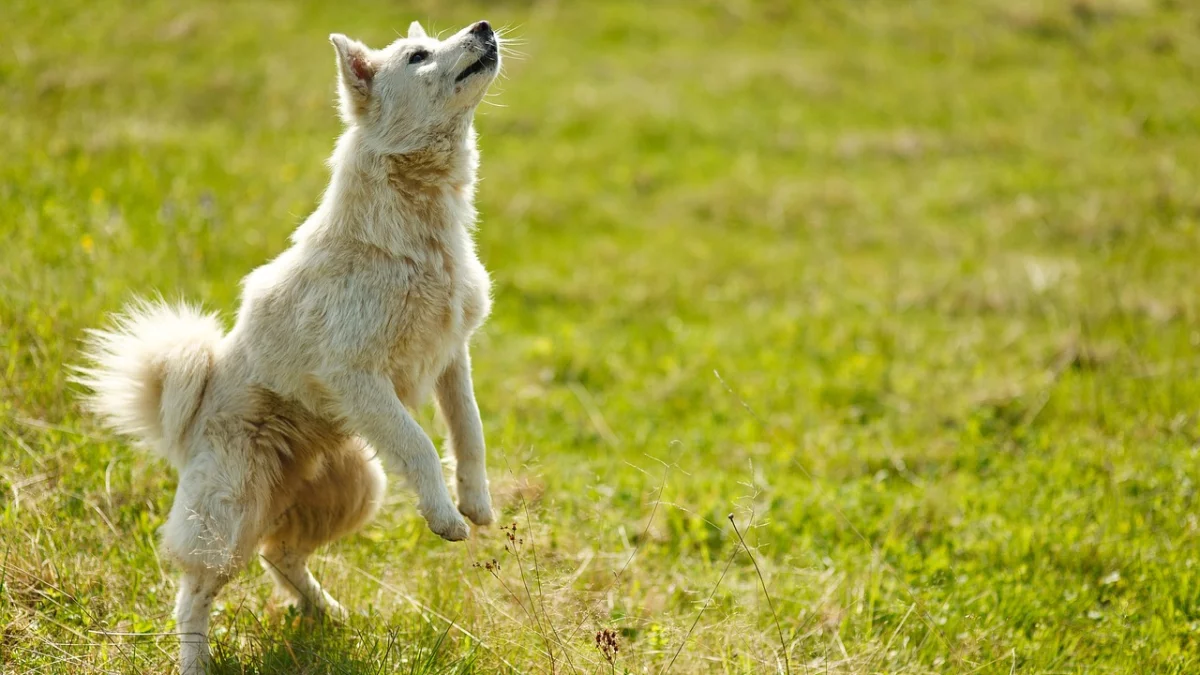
x: 909, y: 288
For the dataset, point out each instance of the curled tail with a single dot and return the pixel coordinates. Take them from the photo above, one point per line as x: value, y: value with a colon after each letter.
x: 148, y: 373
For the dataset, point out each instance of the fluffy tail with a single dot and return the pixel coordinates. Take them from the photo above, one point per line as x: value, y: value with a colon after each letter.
x: 148, y: 373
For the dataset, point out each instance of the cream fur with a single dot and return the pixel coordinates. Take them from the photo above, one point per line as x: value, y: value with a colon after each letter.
x: 277, y: 427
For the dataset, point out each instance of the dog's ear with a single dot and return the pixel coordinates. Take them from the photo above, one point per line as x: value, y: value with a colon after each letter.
x: 415, y: 30
x: 356, y: 73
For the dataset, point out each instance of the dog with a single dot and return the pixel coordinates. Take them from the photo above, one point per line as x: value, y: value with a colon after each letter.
x: 277, y: 428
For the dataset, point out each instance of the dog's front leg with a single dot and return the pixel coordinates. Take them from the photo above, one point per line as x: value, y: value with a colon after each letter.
x: 456, y: 400
x: 369, y: 405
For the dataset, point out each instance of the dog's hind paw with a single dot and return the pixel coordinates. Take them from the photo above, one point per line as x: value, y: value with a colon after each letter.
x: 335, y: 612
x: 325, y: 607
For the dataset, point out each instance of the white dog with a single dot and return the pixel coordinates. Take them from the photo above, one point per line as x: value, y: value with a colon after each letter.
x: 275, y: 427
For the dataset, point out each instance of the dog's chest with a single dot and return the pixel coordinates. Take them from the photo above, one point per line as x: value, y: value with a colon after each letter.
x: 443, y: 300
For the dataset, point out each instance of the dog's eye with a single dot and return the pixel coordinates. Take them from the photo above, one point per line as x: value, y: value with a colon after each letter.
x: 418, y: 57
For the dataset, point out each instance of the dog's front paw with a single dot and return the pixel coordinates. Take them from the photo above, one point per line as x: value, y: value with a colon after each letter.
x: 447, y: 524
x: 476, y: 504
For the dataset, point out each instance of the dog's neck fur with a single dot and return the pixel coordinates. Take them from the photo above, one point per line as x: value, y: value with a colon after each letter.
x: 389, y: 201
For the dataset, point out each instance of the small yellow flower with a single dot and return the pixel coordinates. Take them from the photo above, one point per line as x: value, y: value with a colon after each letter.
x: 86, y: 243
x: 97, y: 196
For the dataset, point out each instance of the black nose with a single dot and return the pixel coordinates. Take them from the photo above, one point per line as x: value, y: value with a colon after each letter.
x: 483, y: 29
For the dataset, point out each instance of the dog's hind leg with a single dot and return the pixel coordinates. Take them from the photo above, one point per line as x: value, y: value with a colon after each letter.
x: 197, y: 589
x: 290, y: 570
x: 214, y: 526
x: 343, y: 498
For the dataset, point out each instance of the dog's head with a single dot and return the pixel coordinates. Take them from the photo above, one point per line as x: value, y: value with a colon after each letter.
x: 418, y: 88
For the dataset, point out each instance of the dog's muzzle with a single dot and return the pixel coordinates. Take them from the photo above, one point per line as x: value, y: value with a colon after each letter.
x: 482, y: 31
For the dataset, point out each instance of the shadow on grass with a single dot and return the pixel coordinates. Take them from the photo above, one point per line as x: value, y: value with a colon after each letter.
x: 301, y: 645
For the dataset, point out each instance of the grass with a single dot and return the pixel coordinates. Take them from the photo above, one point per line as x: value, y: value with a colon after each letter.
x: 909, y: 288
